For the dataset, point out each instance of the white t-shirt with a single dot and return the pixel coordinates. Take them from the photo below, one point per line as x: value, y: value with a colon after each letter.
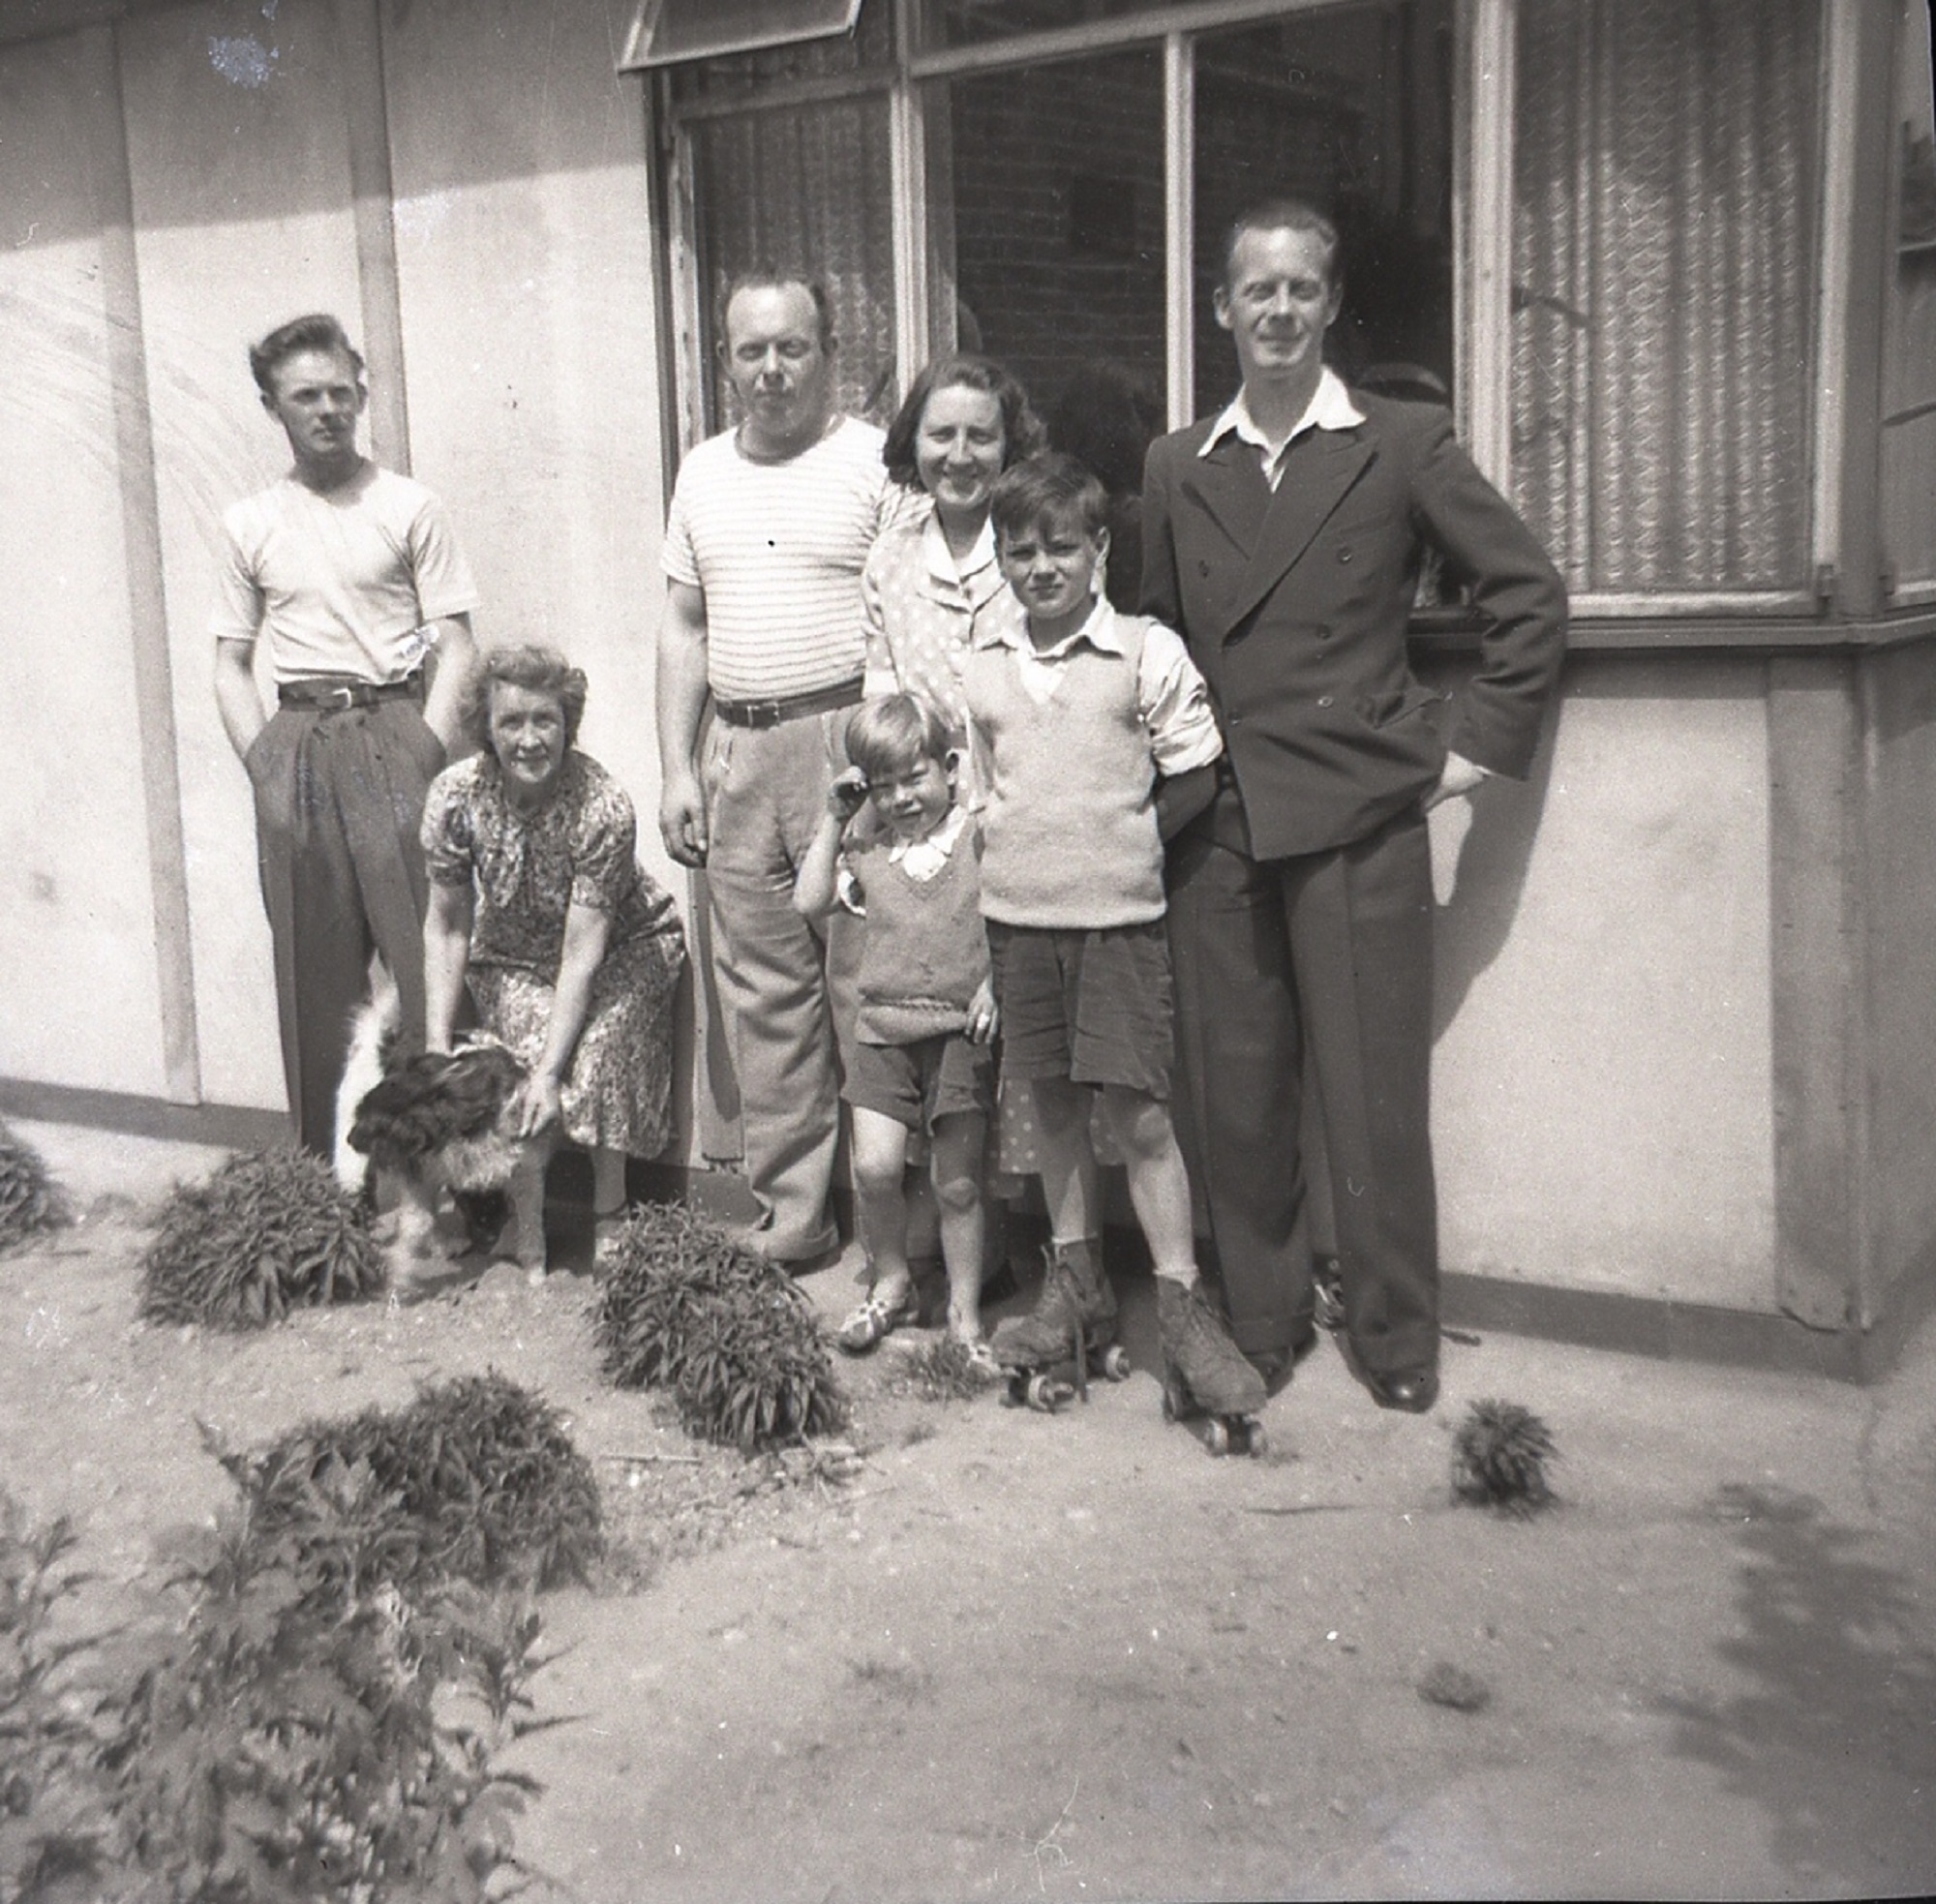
x: 777, y: 548
x: 340, y: 582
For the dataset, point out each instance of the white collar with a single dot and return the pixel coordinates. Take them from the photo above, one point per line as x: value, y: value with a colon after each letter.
x: 940, y: 564
x: 1098, y: 629
x: 923, y: 857
x: 1330, y: 409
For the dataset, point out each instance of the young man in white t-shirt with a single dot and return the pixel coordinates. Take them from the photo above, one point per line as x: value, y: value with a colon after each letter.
x: 770, y: 526
x: 351, y: 575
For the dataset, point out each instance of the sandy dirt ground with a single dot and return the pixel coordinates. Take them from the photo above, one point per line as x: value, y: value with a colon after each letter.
x: 1007, y: 1655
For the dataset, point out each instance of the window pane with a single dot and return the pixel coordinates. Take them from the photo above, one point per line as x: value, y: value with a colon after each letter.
x: 868, y: 47
x: 1909, y: 388
x: 1663, y: 266
x: 1047, y: 209
x: 1350, y: 109
x: 963, y: 23
x: 805, y: 189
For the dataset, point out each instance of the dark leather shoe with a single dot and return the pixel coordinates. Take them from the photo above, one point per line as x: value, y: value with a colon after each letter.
x: 1413, y: 1391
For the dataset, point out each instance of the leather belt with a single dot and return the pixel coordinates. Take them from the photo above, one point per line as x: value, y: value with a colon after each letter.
x: 333, y: 696
x: 795, y: 707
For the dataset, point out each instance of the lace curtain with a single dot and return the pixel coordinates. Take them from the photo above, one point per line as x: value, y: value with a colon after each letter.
x: 1663, y: 276
x: 805, y: 186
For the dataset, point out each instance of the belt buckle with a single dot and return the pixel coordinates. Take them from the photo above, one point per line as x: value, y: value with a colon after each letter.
x: 339, y: 700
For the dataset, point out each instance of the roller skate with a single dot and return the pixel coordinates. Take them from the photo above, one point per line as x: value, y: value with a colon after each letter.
x: 1050, y: 1354
x: 1208, y: 1384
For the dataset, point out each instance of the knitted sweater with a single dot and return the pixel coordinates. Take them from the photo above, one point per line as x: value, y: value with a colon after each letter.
x: 926, y: 952
x: 1070, y: 832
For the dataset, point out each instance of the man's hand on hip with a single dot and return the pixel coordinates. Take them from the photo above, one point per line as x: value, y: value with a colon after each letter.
x: 1460, y: 777
x: 683, y: 819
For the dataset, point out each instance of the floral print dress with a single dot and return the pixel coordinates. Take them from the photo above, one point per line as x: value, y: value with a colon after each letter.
x: 525, y: 871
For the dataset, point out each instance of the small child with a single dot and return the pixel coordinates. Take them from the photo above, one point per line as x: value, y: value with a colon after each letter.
x: 1093, y: 735
x: 922, y: 1055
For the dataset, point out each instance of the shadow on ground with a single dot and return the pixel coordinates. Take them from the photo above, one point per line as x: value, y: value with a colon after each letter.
x: 1833, y: 1731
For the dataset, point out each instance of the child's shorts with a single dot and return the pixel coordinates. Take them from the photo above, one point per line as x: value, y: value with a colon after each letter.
x: 1092, y: 1006
x: 921, y: 1083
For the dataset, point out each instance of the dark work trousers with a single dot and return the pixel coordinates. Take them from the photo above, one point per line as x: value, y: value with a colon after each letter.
x: 1330, y: 952
x: 339, y: 801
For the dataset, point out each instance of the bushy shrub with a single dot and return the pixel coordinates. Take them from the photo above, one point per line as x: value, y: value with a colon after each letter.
x: 728, y: 1333
x: 29, y: 1201
x: 270, y: 1232
x: 1498, y: 1459
x: 322, y: 1725
x: 475, y: 1480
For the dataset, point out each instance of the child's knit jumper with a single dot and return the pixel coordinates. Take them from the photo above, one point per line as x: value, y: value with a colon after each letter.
x: 1069, y: 829
x: 926, y: 952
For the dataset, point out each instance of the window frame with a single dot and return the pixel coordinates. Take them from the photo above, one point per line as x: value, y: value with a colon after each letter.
x: 1482, y: 172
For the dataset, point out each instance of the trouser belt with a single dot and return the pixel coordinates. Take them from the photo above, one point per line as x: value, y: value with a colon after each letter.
x: 794, y: 706
x: 333, y: 694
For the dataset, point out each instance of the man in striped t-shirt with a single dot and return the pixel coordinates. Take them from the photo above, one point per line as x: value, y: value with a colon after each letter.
x: 770, y: 526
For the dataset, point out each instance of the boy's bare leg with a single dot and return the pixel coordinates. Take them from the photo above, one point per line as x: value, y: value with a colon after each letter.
x: 1069, y: 1184
x: 880, y: 1160
x: 1159, y: 1186
x: 958, y: 1146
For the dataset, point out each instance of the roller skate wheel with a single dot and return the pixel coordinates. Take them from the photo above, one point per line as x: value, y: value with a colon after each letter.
x: 1257, y: 1444
x: 1046, y: 1394
x: 1116, y: 1364
x: 1215, y: 1436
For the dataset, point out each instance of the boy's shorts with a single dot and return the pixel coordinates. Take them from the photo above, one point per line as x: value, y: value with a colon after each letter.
x: 917, y: 1084
x: 1095, y: 1008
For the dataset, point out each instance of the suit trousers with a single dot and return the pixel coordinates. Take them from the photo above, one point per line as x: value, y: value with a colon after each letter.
x: 1328, y: 953
x: 339, y: 801
x: 786, y: 984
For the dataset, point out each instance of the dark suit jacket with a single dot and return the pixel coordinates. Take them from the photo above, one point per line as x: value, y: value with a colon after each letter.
x: 1294, y: 605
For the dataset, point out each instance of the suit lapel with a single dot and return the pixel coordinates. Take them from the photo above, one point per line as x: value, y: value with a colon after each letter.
x: 1321, y: 470
x: 1228, y: 484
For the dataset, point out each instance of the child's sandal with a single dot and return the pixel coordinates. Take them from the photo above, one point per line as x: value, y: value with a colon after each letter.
x: 876, y: 1319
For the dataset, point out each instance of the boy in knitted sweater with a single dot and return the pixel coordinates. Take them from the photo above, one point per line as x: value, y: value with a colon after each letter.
x: 1093, y: 735
x: 922, y: 1057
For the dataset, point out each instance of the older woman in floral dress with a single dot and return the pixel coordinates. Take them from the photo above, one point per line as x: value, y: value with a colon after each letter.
x: 570, y: 950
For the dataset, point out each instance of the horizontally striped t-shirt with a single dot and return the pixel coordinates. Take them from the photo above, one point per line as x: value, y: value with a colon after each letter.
x: 778, y: 548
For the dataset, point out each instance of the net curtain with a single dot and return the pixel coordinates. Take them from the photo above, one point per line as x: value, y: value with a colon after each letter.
x: 1662, y: 289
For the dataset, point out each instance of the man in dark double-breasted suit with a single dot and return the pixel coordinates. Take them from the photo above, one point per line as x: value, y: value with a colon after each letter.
x: 1283, y: 539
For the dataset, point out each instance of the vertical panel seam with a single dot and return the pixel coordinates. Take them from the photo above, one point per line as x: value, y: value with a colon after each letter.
x: 139, y: 486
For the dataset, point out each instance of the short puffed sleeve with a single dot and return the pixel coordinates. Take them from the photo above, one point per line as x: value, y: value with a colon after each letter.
x: 447, y: 833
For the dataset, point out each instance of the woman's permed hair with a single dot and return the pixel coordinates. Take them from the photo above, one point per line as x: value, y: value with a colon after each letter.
x: 538, y: 671
x: 889, y: 734
x: 1049, y: 485
x: 1022, y: 433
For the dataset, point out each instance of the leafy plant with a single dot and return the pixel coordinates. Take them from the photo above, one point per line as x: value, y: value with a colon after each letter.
x: 270, y: 1232
x: 729, y: 1334
x: 29, y: 1201
x: 55, y: 1820
x: 475, y: 1480
x: 1498, y: 1459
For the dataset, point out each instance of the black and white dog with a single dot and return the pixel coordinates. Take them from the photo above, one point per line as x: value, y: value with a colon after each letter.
x: 438, y: 1121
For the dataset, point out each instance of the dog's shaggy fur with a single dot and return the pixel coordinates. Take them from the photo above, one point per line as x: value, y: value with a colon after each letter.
x: 430, y: 1122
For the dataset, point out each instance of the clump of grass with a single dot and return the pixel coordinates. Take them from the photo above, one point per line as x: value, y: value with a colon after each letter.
x: 1498, y: 1459
x: 687, y: 1309
x: 475, y: 1480
x: 270, y: 1232
x: 942, y: 1371
x: 30, y: 1201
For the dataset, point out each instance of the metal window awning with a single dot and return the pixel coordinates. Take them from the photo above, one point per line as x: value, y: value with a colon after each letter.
x: 669, y: 32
